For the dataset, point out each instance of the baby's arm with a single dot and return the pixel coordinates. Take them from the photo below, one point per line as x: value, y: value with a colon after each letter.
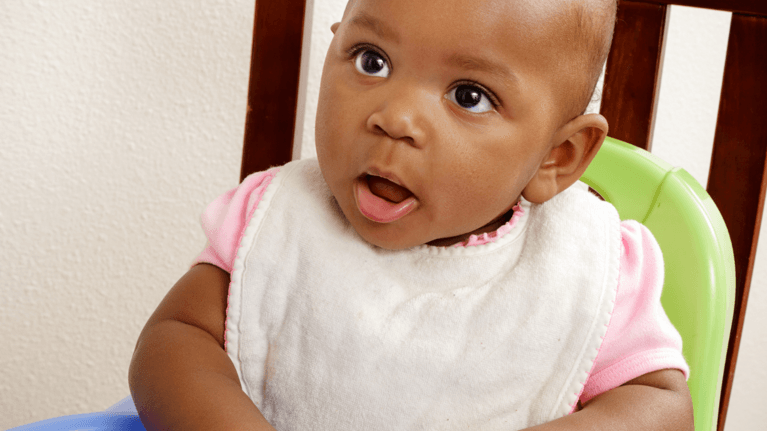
x: 655, y: 401
x: 180, y: 376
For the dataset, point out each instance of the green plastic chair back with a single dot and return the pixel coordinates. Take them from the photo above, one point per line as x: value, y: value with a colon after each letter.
x: 699, y: 286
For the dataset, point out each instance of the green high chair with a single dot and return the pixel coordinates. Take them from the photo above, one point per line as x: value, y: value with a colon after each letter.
x: 699, y: 284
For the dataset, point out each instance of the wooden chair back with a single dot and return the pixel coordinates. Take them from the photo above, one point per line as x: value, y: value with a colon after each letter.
x: 737, y: 179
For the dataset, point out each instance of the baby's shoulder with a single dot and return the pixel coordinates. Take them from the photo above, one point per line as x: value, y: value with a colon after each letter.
x: 640, y: 338
x: 225, y: 219
x: 641, y: 261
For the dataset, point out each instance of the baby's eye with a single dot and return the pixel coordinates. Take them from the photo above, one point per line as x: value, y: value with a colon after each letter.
x: 369, y: 62
x: 471, y: 98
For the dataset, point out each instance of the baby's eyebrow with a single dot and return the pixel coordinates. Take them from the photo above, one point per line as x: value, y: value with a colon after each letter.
x: 375, y: 25
x: 470, y: 62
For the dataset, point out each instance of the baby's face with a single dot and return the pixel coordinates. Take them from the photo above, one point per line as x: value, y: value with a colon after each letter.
x: 434, y: 115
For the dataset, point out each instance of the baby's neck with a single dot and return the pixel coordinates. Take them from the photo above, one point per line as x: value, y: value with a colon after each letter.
x: 490, y: 227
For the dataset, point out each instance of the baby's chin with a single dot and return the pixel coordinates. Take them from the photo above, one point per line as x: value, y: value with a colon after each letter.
x: 390, y: 241
x: 393, y: 239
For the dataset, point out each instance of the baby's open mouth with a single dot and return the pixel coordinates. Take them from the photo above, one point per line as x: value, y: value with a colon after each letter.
x: 381, y: 200
x: 386, y: 189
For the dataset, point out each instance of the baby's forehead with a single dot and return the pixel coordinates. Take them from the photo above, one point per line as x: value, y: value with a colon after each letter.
x: 539, y: 22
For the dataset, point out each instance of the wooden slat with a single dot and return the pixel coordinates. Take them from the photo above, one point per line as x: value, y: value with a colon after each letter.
x: 273, y: 88
x: 630, y: 88
x: 737, y: 180
x: 746, y: 7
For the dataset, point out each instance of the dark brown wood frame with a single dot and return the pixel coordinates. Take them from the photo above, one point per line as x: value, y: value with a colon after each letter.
x: 737, y: 179
x: 273, y: 88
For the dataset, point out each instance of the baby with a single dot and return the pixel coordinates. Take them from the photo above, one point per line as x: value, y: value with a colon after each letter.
x: 433, y: 268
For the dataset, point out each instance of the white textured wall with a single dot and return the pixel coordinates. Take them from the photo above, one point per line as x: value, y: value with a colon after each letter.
x: 120, y: 120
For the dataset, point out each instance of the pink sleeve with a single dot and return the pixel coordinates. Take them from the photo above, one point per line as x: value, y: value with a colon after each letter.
x: 640, y: 339
x: 225, y: 219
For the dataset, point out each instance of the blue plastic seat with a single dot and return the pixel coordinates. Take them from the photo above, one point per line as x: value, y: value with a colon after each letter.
x: 121, y: 416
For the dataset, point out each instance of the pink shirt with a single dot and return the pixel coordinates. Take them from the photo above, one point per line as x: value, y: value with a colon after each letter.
x: 640, y: 339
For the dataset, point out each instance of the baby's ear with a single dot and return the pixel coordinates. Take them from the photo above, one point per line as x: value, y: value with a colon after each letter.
x: 575, y: 145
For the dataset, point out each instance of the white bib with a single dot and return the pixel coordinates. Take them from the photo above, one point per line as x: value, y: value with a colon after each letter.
x: 328, y: 332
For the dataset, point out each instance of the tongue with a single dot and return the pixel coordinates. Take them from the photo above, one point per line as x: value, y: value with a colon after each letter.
x: 386, y: 189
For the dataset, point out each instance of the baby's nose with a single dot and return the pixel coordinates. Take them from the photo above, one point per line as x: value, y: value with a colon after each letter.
x: 401, y: 116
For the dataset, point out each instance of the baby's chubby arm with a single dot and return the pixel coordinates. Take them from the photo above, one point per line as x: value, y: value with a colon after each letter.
x: 180, y: 376
x: 655, y: 401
